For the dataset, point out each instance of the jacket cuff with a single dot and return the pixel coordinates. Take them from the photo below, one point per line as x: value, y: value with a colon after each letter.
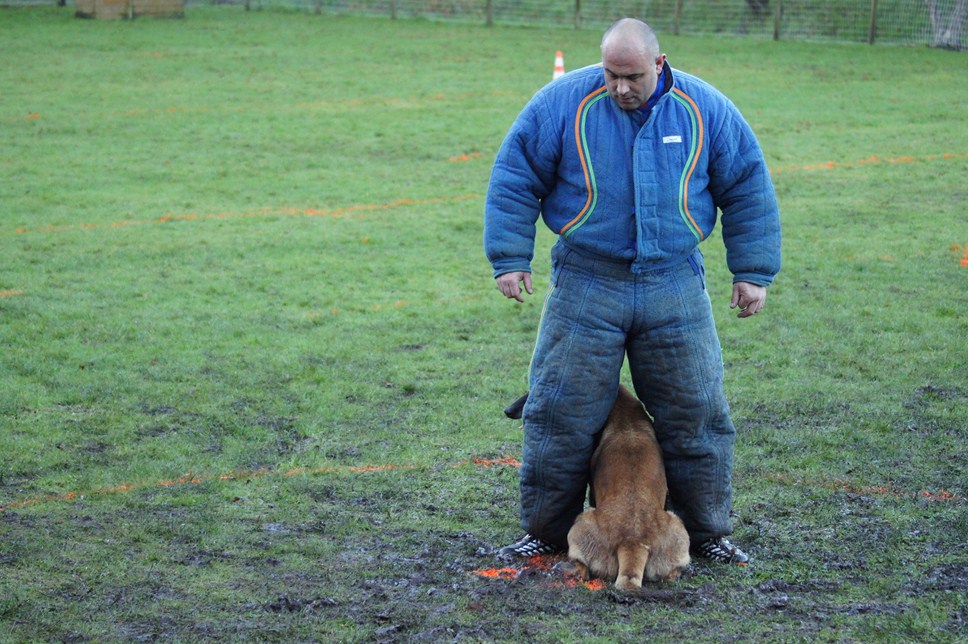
x: 759, y: 279
x: 510, y: 265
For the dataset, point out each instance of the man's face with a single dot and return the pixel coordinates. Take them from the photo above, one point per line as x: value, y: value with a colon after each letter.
x: 630, y: 74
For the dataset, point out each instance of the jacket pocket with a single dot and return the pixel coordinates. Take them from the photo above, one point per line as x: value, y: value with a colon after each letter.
x: 559, y: 256
x: 698, y: 267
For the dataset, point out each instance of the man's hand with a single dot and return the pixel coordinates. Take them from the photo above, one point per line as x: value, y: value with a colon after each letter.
x: 510, y: 284
x: 750, y: 298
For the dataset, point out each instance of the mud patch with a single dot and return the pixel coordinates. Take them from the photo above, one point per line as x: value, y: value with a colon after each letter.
x: 287, y: 604
x: 951, y: 577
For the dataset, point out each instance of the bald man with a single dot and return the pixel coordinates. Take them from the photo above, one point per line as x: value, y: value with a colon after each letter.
x: 630, y: 163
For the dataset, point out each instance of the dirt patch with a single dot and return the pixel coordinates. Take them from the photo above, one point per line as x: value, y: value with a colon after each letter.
x: 951, y: 577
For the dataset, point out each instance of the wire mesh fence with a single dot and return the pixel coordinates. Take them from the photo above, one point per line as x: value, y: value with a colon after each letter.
x: 938, y: 23
x: 911, y: 22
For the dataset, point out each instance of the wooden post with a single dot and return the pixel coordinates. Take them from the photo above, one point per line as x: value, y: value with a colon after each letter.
x: 873, y: 29
x: 489, y: 13
x: 777, y: 17
x: 677, y: 21
x: 393, y: 9
x: 577, y: 14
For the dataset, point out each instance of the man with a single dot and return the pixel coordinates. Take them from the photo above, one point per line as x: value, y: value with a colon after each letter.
x: 628, y: 163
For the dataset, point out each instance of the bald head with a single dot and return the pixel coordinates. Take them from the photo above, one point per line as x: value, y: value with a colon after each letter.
x: 630, y: 35
x: 631, y: 62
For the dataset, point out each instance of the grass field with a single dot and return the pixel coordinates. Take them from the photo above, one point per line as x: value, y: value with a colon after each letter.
x: 253, y: 361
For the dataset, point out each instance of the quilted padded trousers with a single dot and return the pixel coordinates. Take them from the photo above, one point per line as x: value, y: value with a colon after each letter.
x: 596, y: 313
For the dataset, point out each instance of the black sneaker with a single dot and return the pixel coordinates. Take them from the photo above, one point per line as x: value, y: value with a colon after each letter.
x: 721, y: 550
x: 528, y: 546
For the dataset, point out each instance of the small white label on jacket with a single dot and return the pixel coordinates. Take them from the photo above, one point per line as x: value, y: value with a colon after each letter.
x: 672, y: 139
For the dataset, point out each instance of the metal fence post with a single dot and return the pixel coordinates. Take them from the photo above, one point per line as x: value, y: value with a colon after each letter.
x: 776, y: 19
x: 577, y: 14
x: 873, y: 29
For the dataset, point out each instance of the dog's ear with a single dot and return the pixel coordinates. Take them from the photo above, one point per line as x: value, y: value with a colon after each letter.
x: 516, y: 408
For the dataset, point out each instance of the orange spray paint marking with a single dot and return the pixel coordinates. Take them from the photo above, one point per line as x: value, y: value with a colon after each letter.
x: 506, y: 460
x: 464, y: 157
x: 574, y: 582
x: 193, y: 479
x: 372, y: 468
x: 507, y: 574
x: 884, y: 490
x: 10, y: 293
x: 344, y: 212
x: 541, y: 564
x: 182, y: 480
x: 943, y: 495
x: 873, y: 159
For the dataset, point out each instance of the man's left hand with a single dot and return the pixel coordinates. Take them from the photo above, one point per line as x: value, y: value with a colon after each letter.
x: 750, y: 298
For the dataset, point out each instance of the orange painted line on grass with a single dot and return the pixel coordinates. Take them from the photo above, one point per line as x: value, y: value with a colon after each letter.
x: 356, y: 211
x: 415, y: 101
x: 873, y: 159
x: 884, y: 490
x: 10, y: 293
x: 301, y: 106
x: 943, y: 495
x: 195, y: 479
x: 464, y: 157
x: 542, y: 564
x: 889, y: 490
x: 398, y: 304
x: 506, y: 460
x: 498, y: 573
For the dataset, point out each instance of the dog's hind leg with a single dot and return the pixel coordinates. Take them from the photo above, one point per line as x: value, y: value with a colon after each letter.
x: 670, y: 551
x: 632, y: 557
x: 585, y: 550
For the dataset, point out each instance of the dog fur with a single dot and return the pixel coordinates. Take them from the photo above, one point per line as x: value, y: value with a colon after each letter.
x: 627, y: 535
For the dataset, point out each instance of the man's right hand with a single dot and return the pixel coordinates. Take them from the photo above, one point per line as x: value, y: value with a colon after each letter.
x: 510, y: 284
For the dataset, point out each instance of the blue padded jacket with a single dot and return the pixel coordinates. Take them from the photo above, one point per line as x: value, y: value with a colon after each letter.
x: 643, y: 195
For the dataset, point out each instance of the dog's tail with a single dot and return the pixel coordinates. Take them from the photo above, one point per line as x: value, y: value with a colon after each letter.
x: 632, y: 557
x: 516, y: 409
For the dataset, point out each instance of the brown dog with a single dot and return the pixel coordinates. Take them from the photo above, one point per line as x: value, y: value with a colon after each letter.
x: 628, y: 535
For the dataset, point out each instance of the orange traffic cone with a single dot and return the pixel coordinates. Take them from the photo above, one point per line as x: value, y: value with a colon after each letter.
x: 559, y: 66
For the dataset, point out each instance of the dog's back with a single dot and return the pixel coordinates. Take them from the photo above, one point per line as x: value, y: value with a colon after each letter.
x: 628, y: 535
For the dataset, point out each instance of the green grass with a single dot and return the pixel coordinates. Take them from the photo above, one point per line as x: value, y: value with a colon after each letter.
x: 240, y: 263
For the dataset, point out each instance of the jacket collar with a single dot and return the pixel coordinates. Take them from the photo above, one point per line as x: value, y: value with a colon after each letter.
x: 666, y: 80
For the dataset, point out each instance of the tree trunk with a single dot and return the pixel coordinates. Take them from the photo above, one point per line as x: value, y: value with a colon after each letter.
x: 948, y: 30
